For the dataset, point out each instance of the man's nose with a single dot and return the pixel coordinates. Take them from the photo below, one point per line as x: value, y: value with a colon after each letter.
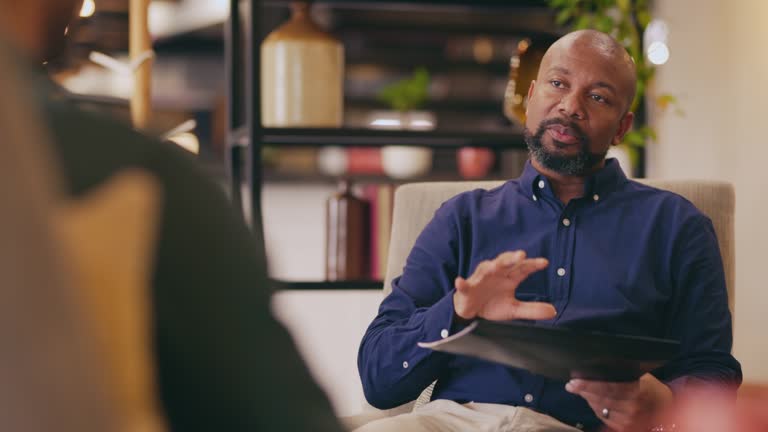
x: 571, y: 106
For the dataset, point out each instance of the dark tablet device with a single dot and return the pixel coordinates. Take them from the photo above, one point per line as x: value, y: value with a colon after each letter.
x: 559, y: 353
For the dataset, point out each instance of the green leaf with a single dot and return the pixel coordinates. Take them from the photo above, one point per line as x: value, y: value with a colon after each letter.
x: 634, y: 138
x: 605, y: 24
x: 583, y: 22
x: 607, y: 5
x: 634, y: 156
x: 664, y: 101
x: 557, y: 3
x: 649, y: 133
x: 563, y: 16
x: 409, y: 93
x: 643, y: 18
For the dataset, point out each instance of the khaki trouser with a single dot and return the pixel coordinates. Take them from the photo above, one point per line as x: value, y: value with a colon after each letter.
x: 444, y: 415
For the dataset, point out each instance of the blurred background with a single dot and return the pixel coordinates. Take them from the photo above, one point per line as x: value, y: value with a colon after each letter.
x: 420, y: 91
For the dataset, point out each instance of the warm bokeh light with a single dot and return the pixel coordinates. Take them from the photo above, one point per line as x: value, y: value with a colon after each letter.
x: 89, y: 7
x: 655, y: 38
x: 187, y: 141
x: 658, y: 53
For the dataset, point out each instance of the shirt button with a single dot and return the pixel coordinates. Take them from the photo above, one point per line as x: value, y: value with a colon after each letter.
x: 596, y: 197
x: 579, y: 426
x: 541, y: 184
x: 405, y: 365
x: 444, y: 333
x: 534, y: 198
x: 567, y: 222
x: 561, y: 272
x: 528, y: 398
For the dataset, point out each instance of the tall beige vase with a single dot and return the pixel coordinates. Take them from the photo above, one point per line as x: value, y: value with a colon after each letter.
x: 302, y: 74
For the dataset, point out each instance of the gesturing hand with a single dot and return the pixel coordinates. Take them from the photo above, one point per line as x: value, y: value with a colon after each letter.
x: 490, y: 292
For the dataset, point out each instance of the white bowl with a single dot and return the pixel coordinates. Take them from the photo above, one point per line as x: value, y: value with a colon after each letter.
x: 403, y: 162
x: 332, y: 161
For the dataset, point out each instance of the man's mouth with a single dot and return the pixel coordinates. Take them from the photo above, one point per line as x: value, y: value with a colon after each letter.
x: 563, y: 134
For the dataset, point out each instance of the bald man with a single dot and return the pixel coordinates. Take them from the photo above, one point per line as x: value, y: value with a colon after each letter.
x: 572, y: 242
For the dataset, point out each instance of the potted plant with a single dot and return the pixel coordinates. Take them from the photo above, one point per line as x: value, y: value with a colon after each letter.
x: 405, y: 97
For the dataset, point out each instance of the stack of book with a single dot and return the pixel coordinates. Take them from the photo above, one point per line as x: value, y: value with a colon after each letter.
x: 380, y: 198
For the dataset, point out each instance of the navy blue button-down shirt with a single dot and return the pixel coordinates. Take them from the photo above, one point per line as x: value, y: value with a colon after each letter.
x: 624, y: 258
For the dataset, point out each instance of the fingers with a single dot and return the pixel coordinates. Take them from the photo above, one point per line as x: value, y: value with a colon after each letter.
x: 511, y: 265
x: 507, y: 259
x: 461, y: 284
x: 617, y: 419
x: 495, y: 281
x: 620, y: 399
x: 521, y: 270
x: 534, y: 311
x: 613, y: 390
x: 621, y: 414
x: 482, y: 270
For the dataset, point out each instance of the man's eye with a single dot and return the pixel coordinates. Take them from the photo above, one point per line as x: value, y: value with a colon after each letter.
x: 598, y: 98
x: 556, y: 83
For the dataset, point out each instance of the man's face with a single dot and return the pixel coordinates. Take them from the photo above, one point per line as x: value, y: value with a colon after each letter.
x: 577, y: 108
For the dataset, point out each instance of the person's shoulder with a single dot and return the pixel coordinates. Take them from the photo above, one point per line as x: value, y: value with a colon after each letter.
x: 84, y: 130
x: 476, y: 200
x: 92, y: 147
x: 483, y: 194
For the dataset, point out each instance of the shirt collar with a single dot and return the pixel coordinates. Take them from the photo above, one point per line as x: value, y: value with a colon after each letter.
x: 601, y: 183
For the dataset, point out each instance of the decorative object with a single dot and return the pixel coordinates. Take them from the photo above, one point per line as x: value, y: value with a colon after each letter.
x: 405, y: 97
x: 332, y: 161
x: 302, y: 74
x: 523, y: 68
x: 627, y: 21
x: 475, y: 163
x: 364, y: 160
x: 402, y: 162
x: 140, y: 44
x: 347, y: 234
x: 394, y: 120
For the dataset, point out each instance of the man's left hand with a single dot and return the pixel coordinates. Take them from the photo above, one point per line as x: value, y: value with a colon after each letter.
x: 623, y: 407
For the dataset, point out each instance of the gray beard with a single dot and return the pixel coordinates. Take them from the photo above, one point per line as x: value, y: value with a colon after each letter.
x: 578, y: 165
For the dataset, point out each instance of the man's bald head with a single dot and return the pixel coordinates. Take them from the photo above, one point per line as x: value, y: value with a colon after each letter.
x: 579, y: 105
x: 595, y: 45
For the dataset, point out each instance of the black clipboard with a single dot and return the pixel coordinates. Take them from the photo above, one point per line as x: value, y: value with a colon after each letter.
x: 559, y: 353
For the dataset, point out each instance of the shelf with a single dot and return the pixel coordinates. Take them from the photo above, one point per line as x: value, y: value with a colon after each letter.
x: 490, y: 107
x: 366, y: 179
x: 443, y: 4
x: 328, y: 285
x: 378, y: 138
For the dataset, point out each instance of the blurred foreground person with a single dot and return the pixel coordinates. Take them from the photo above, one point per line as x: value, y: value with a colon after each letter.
x: 222, y: 361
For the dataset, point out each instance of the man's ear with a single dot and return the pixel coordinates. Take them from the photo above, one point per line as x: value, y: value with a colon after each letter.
x: 624, y: 126
x: 530, y: 95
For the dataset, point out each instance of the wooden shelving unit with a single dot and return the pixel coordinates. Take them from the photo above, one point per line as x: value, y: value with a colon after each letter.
x: 243, y: 34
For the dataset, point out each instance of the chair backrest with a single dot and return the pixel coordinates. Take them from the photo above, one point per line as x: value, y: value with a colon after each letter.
x: 416, y: 203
